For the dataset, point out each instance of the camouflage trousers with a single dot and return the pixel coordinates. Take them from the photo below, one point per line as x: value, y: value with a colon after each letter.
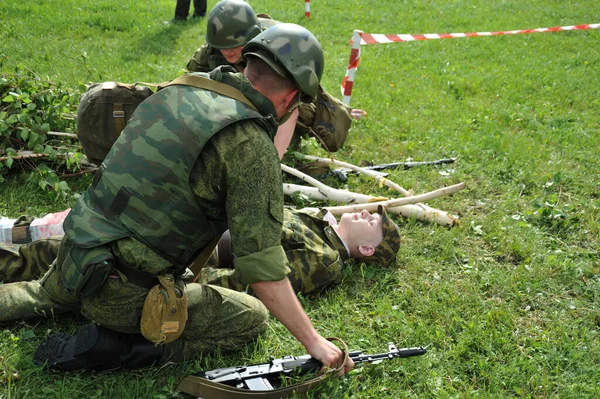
x: 218, y: 318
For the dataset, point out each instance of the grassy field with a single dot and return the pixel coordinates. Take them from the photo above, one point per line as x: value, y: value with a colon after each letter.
x: 508, y: 301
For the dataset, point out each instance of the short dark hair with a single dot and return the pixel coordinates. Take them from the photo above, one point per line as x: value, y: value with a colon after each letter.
x: 260, y: 73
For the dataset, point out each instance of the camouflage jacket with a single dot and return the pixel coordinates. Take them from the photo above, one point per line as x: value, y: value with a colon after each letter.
x: 206, y: 58
x: 315, y: 252
x: 189, y: 164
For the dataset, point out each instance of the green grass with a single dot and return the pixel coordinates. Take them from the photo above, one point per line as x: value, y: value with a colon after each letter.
x: 508, y: 301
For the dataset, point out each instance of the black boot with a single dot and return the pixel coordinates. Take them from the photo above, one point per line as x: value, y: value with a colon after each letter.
x: 96, y: 348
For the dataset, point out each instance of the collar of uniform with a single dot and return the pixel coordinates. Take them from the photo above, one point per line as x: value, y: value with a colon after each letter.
x: 337, y: 242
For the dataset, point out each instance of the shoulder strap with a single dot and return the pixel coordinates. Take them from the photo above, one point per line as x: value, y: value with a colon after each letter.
x: 203, y: 83
x: 198, y: 386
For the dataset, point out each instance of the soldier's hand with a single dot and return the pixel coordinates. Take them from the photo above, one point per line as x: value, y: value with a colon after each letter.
x: 330, y: 355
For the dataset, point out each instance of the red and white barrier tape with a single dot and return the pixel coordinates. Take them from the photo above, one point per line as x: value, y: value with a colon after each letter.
x: 360, y: 38
x: 307, y: 8
x: 348, y: 81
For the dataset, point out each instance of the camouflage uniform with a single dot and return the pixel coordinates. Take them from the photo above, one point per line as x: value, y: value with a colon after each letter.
x: 325, y: 117
x: 235, y: 182
x: 314, y: 250
x: 24, y: 262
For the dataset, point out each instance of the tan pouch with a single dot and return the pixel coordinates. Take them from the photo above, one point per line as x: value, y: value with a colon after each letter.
x: 164, y: 313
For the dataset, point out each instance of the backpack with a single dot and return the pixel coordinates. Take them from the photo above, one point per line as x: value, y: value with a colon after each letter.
x: 103, y: 112
x: 327, y: 118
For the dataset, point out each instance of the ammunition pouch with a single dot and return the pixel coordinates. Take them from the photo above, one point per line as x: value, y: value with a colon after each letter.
x: 83, y: 271
x: 165, y: 312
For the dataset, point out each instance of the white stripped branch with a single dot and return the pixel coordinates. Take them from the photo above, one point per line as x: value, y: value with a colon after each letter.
x: 407, y: 207
x: 372, y: 173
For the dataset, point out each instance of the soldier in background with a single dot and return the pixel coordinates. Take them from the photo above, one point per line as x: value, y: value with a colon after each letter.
x: 231, y: 24
x: 182, y: 10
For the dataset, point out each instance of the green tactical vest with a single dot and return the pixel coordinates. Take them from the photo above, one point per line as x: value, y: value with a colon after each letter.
x: 143, y: 191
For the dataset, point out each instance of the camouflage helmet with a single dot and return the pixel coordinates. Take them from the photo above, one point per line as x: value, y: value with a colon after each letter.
x: 294, y: 49
x: 385, y: 252
x: 231, y: 23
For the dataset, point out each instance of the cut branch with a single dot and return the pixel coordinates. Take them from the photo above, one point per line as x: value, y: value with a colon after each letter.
x: 378, y: 176
x: 24, y: 155
x: 418, y: 211
x: 62, y: 134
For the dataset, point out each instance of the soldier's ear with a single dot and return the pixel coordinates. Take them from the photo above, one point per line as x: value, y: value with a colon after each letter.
x: 292, y: 99
x: 366, y: 250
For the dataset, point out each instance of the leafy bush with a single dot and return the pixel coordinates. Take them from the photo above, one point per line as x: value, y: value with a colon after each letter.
x: 30, y: 108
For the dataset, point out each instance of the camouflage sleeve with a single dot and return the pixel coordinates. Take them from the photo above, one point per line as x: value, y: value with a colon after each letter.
x: 253, y: 201
x: 205, y: 59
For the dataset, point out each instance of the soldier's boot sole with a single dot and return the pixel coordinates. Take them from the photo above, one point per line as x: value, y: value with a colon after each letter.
x: 90, y: 349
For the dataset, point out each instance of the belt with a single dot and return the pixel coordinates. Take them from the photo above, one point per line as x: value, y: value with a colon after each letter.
x: 136, y: 276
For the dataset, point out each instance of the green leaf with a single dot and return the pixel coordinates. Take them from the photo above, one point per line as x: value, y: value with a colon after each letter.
x: 49, y: 150
x: 27, y: 334
x: 8, y: 99
x: 24, y: 133
x: 43, y: 184
x: 33, y: 138
x: 63, y: 186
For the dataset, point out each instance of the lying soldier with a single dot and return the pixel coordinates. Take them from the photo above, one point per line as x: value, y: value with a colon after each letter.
x: 317, y: 246
x: 315, y: 243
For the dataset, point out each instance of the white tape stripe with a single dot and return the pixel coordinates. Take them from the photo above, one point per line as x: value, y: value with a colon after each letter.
x: 350, y: 73
x: 406, y: 38
x: 381, y: 38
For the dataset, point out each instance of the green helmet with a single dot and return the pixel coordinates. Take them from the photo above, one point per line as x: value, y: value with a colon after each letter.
x: 296, y: 50
x: 231, y: 23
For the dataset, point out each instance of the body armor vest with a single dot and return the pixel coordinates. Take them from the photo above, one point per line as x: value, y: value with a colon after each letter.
x: 143, y: 190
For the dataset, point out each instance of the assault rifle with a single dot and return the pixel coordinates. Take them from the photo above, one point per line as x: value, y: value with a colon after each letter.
x: 342, y: 173
x: 269, y: 376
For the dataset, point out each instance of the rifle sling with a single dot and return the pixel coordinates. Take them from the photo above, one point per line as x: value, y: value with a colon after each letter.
x: 202, y: 387
x: 198, y: 386
x: 212, y: 85
x: 202, y: 258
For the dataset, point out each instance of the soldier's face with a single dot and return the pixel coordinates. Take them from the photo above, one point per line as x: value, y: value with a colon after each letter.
x: 232, y: 55
x: 361, y: 228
